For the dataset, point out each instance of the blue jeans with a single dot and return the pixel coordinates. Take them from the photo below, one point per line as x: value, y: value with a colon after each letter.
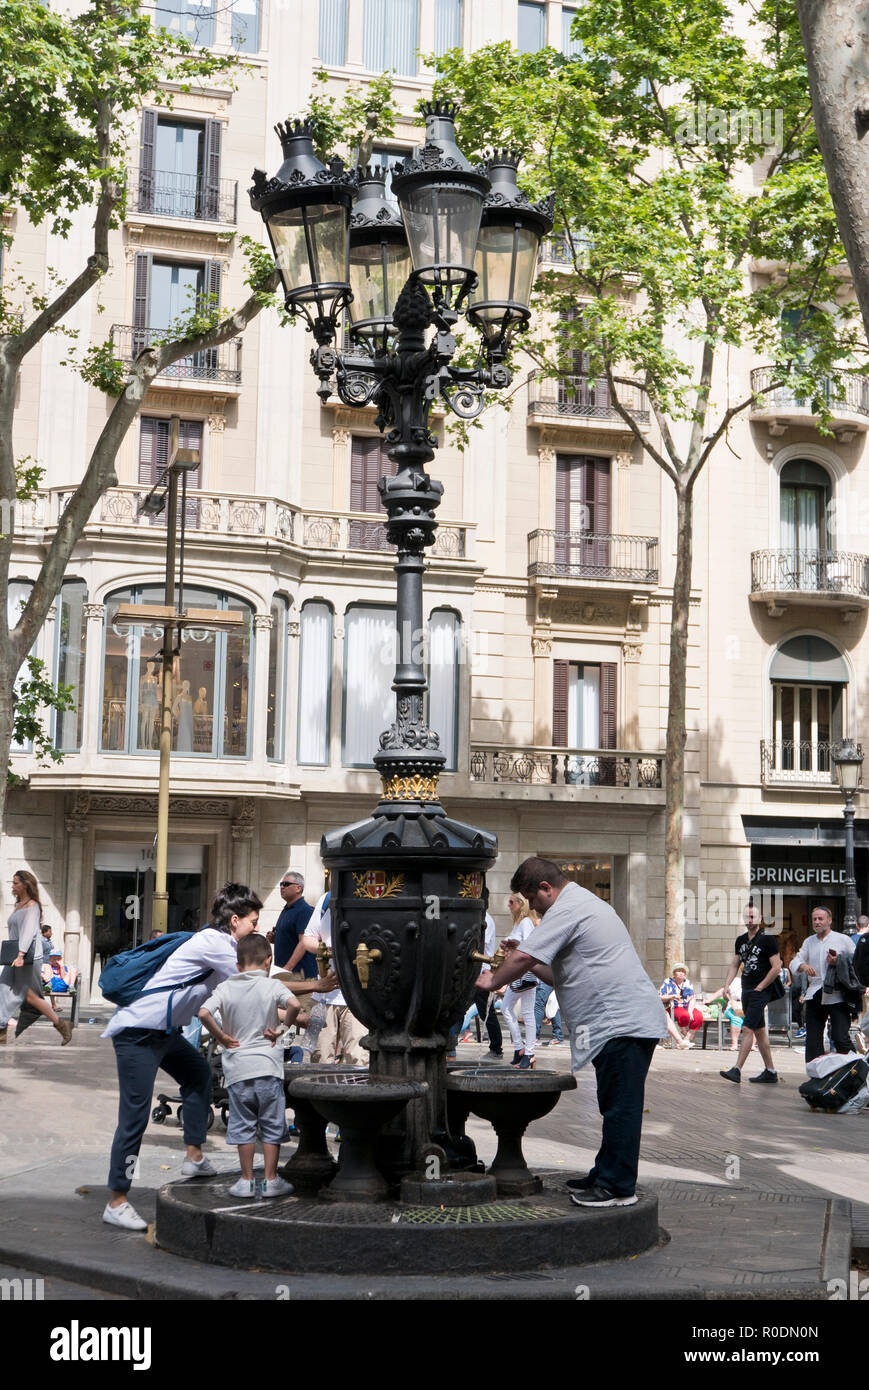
x: 621, y: 1067
x: 139, y: 1053
x: 543, y: 993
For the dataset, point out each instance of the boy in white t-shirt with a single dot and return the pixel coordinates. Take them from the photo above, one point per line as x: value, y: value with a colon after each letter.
x: 251, y: 1006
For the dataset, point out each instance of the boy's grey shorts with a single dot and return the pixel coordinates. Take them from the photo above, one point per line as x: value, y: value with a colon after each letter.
x: 260, y: 1101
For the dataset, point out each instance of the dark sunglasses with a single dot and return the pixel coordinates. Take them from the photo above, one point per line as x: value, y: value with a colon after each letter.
x: 287, y: 883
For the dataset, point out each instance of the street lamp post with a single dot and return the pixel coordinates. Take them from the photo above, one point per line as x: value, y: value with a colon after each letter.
x: 848, y: 761
x: 407, y: 906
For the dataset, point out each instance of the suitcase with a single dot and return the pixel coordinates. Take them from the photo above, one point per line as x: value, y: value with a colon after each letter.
x: 831, y: 1092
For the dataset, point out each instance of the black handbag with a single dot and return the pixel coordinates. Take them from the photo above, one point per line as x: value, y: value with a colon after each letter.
x: 776, y: 990
x: 9, y: 953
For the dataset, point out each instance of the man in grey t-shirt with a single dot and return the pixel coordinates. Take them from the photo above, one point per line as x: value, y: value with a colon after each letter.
x: 613, y: 1011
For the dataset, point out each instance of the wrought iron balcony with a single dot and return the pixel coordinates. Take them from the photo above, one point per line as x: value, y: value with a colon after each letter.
x: 568, y: 767
x: 809, y: 576
x: 163, y: 193
x: 779, y: 405
x: 563, y: 250
x: 219, y: 364
x: 584, y: 399
x: 583, y: 555
x: 798, y: 762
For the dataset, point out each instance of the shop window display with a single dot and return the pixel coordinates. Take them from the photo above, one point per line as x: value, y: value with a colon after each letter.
x: 210, y: 681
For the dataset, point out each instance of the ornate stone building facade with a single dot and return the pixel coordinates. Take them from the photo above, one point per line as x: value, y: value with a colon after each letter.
x: 547, y: 594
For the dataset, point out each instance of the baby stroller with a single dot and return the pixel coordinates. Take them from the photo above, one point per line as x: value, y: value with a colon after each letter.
x: 219, y: 1100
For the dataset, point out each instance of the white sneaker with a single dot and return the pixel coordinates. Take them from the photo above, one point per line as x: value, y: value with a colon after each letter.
x: 245, y: 1187
x: 124, y: 1216
x: 202, y: 1169
x: 276, y: 1187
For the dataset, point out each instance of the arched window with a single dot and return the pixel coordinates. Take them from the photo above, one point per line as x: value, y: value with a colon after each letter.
x: 211, y: 681
x: 445, y: 635
x: 277, y: 677
x: 804, y: 491
x: 809, y: 696
x: 17, y: 594
x: 69, y: 660
x: 315, y: 684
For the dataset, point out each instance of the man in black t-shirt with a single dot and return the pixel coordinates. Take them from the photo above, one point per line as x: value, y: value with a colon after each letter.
x: 759, y: 957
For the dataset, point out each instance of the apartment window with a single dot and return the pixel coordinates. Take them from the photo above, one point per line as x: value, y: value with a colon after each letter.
x: 154, y: 437
x: 211, y: 680
x: 17, y: 594
x: 69, y: 663
x: 390, y: 36
x: 179, y: 168
x: 368, y: 464
x: 369, y: 669
x: 315, y: 684
x: 245, y: 26
x: 582, y: 511
x: 445, y: 630
x: 194, y: 20
x: 584, y: 715
x: 166, y: 293
x: 277, y: 679
x: 531, y: 35
x: 804, y: 502
x: 571, y: 48
x: 333, y: 32
x: 809, y: 679
x: 448, y: 25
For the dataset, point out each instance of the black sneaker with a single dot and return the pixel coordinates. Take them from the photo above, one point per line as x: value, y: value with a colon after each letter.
x: 765, y: 1075
x: 734, y: 1074
x: 580, y: 1184
x: 601, y: 1197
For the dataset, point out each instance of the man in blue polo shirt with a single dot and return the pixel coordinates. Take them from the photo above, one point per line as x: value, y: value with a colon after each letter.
x: 290, y: 953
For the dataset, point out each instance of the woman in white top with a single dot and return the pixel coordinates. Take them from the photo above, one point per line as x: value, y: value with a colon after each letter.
x: 22, y: 980
x: 522, y: 992
x: 142, y: 1045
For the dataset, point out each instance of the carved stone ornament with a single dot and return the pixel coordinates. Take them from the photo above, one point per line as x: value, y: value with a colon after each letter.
x: 632, y: 651
x: 243, y: 821
x: 263, y: 622
x: 97, y: 611
x: 569, y: 613
x: 76, y: 818
x: 541, y: 646
x: 146, y: 805
x: 294, y: 629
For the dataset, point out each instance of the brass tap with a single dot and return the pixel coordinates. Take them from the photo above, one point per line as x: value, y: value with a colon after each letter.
x: 495, y: 961
x: 362, y: 960
x: 324, y: 957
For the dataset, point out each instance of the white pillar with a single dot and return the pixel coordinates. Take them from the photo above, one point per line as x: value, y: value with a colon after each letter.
x: 93, y: 679
x: 262, y: 626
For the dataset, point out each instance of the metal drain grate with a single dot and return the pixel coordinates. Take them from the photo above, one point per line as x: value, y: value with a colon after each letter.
x: 486, y: 1213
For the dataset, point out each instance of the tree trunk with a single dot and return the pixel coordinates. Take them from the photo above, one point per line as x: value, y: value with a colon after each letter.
x: 674, y: 756
x: 836, y: 39
x: 7, y: 714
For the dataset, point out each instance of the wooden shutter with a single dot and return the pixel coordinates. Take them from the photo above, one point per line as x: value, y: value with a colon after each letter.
x: 562, y: 509
x: 153, y: 449
x: 368, y: 464
x: 608, y: 704
x: 211, y: 170
x: 213, y: 276
x: 560, y: 682
x: 147, y: 145
x: 141, y: 300
x: 598, y: 495
x: 207, y: 363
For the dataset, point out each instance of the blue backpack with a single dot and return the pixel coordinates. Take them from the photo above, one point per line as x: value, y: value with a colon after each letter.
x: 126, y: 975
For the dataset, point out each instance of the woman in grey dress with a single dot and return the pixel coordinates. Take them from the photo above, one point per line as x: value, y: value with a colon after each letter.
x: 22, y: 980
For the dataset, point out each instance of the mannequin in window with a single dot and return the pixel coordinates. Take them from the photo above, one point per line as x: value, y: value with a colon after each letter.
x: 182, y: 709
x: 200, y: 705
x: 113, y: 708
x: 149, y: 700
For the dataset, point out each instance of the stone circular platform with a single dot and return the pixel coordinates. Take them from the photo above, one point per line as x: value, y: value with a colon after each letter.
x: 201, y: 1221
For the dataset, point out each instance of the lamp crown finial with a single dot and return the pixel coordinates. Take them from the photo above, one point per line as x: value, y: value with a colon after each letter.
x: 294, y: 128
x: 508, y: 158
x: 371, y: 173
x: 445, y: 110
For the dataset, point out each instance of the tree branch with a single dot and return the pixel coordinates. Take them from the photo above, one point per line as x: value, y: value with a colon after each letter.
x: 98, y: 262
x: 634, y: 427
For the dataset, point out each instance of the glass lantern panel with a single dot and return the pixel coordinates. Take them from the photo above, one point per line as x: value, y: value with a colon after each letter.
x: 442, y: 225
x: 377, y: 276
x: 309, y: 245
x: 498, y: 278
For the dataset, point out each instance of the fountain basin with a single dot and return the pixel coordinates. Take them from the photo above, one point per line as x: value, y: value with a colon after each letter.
x: 312, y: 1165
x: 510, y: 1100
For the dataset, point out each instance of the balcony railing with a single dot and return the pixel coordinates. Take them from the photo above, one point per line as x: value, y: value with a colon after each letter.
x: 851, y: 398
x: 797, y: 762
x: 221, y: 364
x: 584, y: 397
x: 559, y: 250
x: 830, y: 572
x: 224, y: 514
x: 163, y: 193
x: 567, y: 767
x: 583, y: 555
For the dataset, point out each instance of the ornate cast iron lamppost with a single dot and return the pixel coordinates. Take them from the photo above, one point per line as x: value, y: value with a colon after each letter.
x: 848, y: 761
x: 407, y: 910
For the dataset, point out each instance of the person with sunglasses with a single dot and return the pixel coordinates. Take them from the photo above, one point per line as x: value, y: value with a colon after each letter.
x: 290, y: 953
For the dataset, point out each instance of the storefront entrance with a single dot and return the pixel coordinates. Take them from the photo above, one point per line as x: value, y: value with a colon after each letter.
x: 593, y: 873
x: 124, y: 889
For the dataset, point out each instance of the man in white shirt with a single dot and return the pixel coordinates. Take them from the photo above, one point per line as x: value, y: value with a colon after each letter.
x: 817, y: 953
x: 613, y: 1010
x: 341, y: 1033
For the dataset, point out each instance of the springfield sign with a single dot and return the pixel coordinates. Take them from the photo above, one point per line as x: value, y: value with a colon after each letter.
x: 798, y: 875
